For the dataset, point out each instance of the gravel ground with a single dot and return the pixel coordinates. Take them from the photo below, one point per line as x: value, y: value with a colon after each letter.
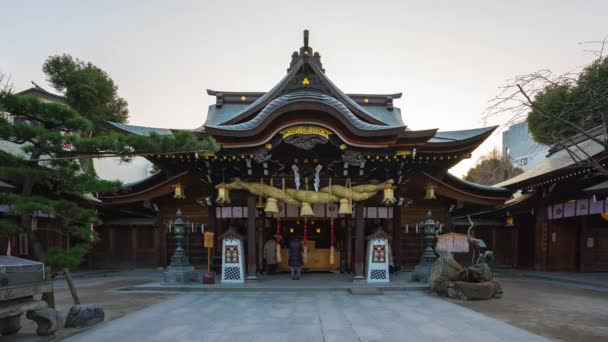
x: 561, y: 313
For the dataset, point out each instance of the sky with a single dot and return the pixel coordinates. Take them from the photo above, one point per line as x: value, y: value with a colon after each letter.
x: 449, y: 58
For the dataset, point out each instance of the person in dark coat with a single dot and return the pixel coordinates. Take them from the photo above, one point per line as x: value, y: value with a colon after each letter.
x: 295, y: 258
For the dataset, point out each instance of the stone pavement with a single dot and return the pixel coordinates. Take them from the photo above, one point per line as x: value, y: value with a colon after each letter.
x: 309, y: 317
x: 589, y: 281
x: 283, y: 282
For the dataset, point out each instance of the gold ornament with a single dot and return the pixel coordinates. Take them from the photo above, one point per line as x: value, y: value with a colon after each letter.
x: 345, y: 207
x: 389, y: 195
x: 271, y: 206
x: 305, y: 81
x: 305, y: 129
x: 306, y: 210
x: 178, y: 191
x: 430, y: 192
x: 223, y: 195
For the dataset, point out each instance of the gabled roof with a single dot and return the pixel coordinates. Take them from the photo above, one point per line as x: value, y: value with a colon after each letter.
x: 40, y: 92
x: 305, y: 74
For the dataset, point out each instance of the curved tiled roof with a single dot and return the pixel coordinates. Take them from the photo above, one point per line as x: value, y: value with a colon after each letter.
x: 449, y: 136
x: 140, y: 130
x: 301, y: 96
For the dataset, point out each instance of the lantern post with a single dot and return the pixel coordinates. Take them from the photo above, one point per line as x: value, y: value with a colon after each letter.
x: 179, y: 271
x: 422, y: 272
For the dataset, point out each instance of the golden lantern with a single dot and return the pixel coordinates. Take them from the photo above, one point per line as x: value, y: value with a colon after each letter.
x: 509, y: 221
x: 178, y: 191
x: 271, y: 206
x: 318, y: 230
x: 306, y: 210
x: 430, y: 192
x: 291, y: 230
x: 345, y: 207
x: 389, y: 195
x: 604, y: 215
x: 223, y: 195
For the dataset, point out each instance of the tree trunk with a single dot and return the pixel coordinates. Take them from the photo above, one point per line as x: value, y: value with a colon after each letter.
x: 68, y: 279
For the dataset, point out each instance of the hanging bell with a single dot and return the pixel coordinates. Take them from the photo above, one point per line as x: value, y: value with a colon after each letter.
x: 389, y: 195
x: 178, y: 191
x: 345, y: 207
x: 306, y: 210
x: 430, y: 192
x: 271, y: 206
x: 223, y: 195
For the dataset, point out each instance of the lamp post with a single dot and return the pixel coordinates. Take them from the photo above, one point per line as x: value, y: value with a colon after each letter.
x: 179, y: 271
x: 422, y: 272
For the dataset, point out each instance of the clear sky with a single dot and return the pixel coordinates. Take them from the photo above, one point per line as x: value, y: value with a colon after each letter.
x: 447, y: 57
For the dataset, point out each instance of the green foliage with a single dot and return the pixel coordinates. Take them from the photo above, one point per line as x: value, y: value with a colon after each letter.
x: 491, y: 169
x: 88, y: 89
x: 8, y: 228
x: 70, y: 258
x: 581, y: 103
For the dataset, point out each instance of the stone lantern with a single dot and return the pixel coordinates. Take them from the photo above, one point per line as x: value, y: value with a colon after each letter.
x: 179, y: 271
x: 422, y: 272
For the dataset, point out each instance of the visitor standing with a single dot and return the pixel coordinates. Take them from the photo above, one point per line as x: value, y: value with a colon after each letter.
x: 295, y: 258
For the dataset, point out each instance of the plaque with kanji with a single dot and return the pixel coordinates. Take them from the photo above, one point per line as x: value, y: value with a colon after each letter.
x: 378, y: 254
x: 208, y: 241
x: 232, y: 254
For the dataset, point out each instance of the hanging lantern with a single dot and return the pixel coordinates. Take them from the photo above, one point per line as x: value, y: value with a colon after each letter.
x: 223, y: 195
x: 178, y: 191
x: 271, y: 206
x: 306, y: 210
x: 345, y: 207
x: 389, y: 195
x: 430, y: 192
x: 318, y: 230
x: 509, y: 221
x: 604, y: 215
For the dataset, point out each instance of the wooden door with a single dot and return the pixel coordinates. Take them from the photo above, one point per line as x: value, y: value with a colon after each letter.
x: 562, y: 246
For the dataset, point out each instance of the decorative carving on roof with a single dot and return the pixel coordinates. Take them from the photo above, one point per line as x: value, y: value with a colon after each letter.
x: 306, y: 129
x: 353, y: 158
x: 305, y: 141
x: 261, y: 155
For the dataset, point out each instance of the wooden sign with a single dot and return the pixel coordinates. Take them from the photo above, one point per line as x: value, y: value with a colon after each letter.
x: 453, y: 242
x: 208, y: 240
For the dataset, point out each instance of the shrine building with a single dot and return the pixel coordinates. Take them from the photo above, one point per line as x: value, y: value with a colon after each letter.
x: 306, y: 160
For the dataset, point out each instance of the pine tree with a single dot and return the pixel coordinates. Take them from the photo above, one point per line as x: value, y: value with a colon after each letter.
x: 56, y: 185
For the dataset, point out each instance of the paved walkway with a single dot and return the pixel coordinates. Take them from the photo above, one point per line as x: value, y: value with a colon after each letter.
x: 307, y: 317
x: 589, y: 281
x: 283, y: 282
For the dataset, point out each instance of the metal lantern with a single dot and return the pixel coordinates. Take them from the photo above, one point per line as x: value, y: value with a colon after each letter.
x: 509, y: 221
x: 178, y: 191
x: 223, y: 195
x: 604, y: 215
x: 430, y: 192
x: 345, y: 207
x: 271, y: 206
x: 389, y: 195
x: 306, y: 210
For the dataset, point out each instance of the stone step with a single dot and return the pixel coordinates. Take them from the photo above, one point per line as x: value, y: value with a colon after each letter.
x: 357, y: 291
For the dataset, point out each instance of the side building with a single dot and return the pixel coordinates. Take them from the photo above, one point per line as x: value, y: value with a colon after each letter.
x: 520, y: 147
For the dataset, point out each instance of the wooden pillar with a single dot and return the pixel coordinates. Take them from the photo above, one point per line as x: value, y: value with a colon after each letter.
x: 515, y: 245
x: 359, y: 232
x: 349, y: 244
x: 251, y: 254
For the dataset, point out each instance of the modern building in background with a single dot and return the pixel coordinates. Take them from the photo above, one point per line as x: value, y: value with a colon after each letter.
x: 518, y: 144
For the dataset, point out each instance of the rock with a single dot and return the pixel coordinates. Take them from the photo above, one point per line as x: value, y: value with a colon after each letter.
x: 484, y: 290
x: 438, y: 281
x: 48, y: 320
x: 455, y: 270
x: 10, y: 325
x: 479, y: 273
x: 455, y: 293
x: 82, y: 315
x: 445, y: 270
